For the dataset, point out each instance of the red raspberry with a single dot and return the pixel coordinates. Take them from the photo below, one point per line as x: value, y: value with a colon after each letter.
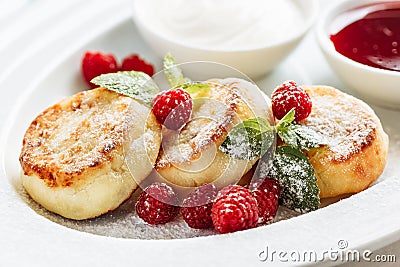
x: 196, y: 208
x: 134, y: 62
x: 97, y: 63
x: 157, y: 204
x: 290, y: 95
x: 173, y: 108
x: 234, y: 209
x: 266, y: 192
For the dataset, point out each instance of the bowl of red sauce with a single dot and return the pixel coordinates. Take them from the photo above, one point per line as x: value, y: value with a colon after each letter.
x: 361, y: 41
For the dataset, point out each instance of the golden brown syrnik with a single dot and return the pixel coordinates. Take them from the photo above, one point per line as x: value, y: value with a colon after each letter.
x: 192, y: 157
x: 84, y: 156
x: 357, y: 145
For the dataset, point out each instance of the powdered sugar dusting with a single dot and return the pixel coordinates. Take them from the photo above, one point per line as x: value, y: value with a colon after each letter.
x: 211, y: 119
x: 77, y: 133
x: 124, y: 222
x: 345, y: 122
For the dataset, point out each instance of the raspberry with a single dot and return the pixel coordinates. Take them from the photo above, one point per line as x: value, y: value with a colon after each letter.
x: 97, y: 63
x: 173, y: 108
x: 196, y: 208
x: 267, y: 193
x: 234, y: 209
x: 290, y: 95
x: 157, y: 204
x: 134, y: 62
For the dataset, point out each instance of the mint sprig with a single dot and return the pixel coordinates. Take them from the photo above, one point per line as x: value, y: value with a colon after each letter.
x: 243, y: 142
x: 173, y: 73
x: 299, y: 190
x: 297, y: 135
x: 248, y: 139
x: 290, y: 166
x: 175, y: 77
x: 135, y: 84
x: 193, y: 88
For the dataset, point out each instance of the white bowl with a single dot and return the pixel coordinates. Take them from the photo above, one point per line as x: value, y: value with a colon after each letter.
x: 253, y: 62
x: 377, y: 86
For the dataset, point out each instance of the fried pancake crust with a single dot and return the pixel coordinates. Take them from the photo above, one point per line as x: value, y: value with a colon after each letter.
x: 191, y: 157
x: 357, y: 145
x: 85, y: 155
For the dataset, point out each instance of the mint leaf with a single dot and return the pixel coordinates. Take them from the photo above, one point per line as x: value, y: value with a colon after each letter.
x: 286, y: 120
x: 175, y: 78
x: 193, y: 88
x: 297, y: 135
x: 173, y: 73
x: 249, y: 139
x: 297, y: 179
x: 135, y: 84
x: 301, y: 137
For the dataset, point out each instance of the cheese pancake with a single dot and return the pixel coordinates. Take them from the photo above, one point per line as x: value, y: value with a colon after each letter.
x: 191, y: 157
x: 85, y: 155
x: 357, y: 145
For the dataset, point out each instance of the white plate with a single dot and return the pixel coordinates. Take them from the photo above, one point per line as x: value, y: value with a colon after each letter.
x: 49, y: 69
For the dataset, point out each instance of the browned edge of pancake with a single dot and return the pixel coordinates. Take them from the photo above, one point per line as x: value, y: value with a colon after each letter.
x: 42, y: 126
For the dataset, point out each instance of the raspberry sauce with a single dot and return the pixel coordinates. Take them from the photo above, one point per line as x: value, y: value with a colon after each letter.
x: 373, y: 38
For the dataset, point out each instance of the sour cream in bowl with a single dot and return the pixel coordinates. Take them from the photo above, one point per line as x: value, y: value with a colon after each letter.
x: 252, y: 36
